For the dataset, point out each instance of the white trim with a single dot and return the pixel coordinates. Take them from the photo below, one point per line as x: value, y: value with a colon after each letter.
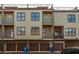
x: 57, y: 52
x: 39, y: 51
x: 29, y: 51
x: 58, y: 41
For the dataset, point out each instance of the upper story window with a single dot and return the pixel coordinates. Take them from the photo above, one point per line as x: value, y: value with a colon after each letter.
x: 71, y: 18
x: 35, y: 16
x: 20, y: 30
x: 35, y: 31
x: 70, y: 31
x: 20, y: 16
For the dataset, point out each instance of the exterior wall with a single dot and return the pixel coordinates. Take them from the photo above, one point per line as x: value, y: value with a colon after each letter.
x: 60, y: 19
x: 28, y: 24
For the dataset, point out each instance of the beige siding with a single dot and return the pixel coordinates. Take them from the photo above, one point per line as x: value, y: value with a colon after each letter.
x: 60, y: 19
x: 28, y: 24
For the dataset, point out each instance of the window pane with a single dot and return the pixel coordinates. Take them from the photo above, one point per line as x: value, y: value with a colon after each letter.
x: 70, y: 31
x: 35, y: 16
x: 35, y: 31
x: 71, y: 18
x: 21, y: 30
x: 20, y: 16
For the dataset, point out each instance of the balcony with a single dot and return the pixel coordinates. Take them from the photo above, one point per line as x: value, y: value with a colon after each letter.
x: 8, y: 21
x: 47, y: 18
x: 9, y: 32
x: 58, y: 36
x: 47, y: 32
x: 58, y: 32
x: 8, y: 18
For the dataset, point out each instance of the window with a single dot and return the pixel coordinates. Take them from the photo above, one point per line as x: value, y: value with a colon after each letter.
x: 35, y: 31
x: 35, y: 16
x: 71, y: 18
x: 21, y: 30
x: 20, y: 16
x: 70, y: 31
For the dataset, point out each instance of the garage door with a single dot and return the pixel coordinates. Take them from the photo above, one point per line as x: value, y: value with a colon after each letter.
x: 20, y: 46
x: 57, y: 46
x: 44, y: 46
x: 33, y: 46
x: 11, y: 46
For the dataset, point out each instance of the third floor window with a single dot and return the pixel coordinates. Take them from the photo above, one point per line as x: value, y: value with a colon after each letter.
x: 35, y: 16
x: 71, y: 18
x: 20, y: 16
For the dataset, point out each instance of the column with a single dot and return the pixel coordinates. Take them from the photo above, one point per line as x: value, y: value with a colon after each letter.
x: 5, y: 47
x: 52, y: 31
x: 50, y: 44
x: 16, y: 46
x: 39, y: 47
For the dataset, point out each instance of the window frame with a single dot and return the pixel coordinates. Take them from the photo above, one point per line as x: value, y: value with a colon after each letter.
x: 20, y: 27
x: 36, y: 29
x: 36, y: 15
x: 21, y: 16
x: 71, y: 18
x: 70, y: 31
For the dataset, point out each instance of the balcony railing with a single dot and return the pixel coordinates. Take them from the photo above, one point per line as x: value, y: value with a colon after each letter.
x: 8, y: 34
x: 60, y: 36
x: 8, y: 21
x: 47, y: 20
x: 48, y: 37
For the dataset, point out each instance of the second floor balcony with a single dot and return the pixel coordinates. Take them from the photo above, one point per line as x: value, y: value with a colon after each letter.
x: 58, y: 32
x: 8, y: 32
x: 47, y: 32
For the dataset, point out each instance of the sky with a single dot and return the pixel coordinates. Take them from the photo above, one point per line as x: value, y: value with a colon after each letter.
x: 56, y: 3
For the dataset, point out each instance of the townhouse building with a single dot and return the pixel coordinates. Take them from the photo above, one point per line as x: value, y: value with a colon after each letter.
x: 38, y: 27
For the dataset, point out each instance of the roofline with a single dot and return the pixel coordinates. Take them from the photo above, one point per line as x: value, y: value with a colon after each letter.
x: 26, y: 6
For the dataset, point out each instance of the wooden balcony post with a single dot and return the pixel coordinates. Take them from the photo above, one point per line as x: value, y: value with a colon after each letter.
x: 2, y: 31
